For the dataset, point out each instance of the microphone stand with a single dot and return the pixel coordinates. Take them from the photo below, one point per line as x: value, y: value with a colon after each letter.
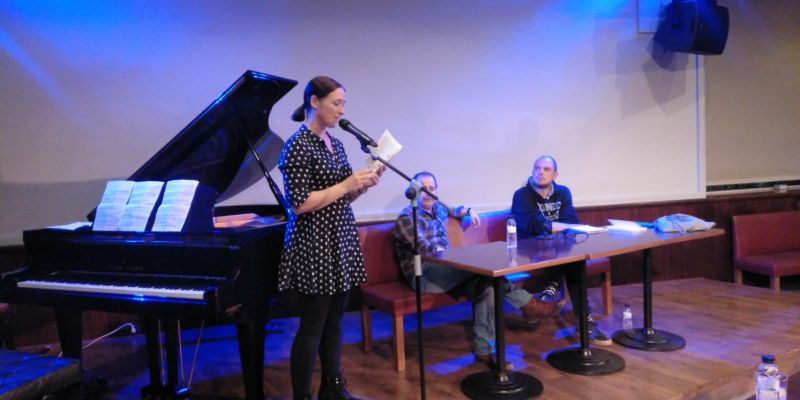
x: 411, y: 193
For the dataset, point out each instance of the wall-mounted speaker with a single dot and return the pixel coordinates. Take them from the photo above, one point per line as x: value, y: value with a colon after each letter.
x: 693, y: 26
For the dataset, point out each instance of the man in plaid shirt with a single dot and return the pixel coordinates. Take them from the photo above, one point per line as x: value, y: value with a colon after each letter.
x: 432, y: 236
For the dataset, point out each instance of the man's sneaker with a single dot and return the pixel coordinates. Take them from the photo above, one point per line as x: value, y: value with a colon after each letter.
x: 596, y: 336
x: 491, y: 362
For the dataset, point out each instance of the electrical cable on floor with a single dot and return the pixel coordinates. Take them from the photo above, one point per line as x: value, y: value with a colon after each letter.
x: 99, y: 338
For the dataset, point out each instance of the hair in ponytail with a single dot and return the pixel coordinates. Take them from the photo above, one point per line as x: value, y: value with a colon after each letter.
x: 320, y: 86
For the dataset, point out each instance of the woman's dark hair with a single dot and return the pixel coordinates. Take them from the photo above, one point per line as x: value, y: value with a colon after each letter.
x: 320, y: 86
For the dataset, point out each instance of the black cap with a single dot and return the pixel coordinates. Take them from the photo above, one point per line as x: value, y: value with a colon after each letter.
x: 768, y: 359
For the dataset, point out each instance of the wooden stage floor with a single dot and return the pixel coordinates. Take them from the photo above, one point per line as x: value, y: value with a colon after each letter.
x: 727, y: 328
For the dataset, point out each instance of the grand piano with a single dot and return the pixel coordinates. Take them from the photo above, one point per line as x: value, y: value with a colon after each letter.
x: 201, y: 272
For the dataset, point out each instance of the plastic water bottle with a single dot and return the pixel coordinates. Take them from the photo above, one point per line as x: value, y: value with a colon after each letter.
x: 767, y: 384
x: 627, y: 318
x: 511, y: 233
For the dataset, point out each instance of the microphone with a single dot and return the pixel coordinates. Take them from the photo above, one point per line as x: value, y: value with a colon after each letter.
x: 413, y: 190
x: 361, y: 136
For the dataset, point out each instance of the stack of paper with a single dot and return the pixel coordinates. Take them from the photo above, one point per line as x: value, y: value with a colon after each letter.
x: 626, y: 226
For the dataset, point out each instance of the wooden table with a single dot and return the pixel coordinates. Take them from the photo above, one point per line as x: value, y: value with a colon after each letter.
x: 496, y: 260
x: 616, y: 243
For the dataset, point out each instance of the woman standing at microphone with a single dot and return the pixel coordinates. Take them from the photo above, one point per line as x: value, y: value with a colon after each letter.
x: 321, y: 258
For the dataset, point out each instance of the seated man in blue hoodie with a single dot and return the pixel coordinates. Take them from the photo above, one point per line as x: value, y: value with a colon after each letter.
x: 432, y: 235
x: 542, y: 207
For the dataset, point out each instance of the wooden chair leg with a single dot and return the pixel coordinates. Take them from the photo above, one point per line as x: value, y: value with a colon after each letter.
x: 399, y: 342
x: 607, y: 292
x: 737, y: 275
x: 366, y: 329
x: 775, y: 283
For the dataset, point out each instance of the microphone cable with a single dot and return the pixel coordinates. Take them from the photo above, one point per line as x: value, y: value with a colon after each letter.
x: 99, y: 338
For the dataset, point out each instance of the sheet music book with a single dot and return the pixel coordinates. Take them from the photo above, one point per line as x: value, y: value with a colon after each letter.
x: 388, y: 147
x: 175, y: 205
x: 112, y: 205
x: 140, y: 205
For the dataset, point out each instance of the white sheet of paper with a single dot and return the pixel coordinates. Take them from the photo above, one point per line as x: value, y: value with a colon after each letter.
x: 140, y: 206
x: 627, y: 226
x: 175, y: 205
x: 145, y: 193
x: 388, y: 147
x: 170, y: 218
x: 179, y: 191
x: 117, y: 192
x: 107, y: 216
x: 586, y: 228
x: 134, y: 218
x: 112, y: 204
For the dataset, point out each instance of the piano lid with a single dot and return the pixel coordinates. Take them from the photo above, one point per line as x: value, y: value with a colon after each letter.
x: 212, y: 149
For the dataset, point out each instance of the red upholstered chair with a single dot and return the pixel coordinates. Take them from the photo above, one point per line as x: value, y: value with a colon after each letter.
x: 767, y: 244
x: 600, y: 266
x: 386, y: 288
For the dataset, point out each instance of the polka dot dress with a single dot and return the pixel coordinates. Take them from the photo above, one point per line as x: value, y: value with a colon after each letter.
x: 321, y: 253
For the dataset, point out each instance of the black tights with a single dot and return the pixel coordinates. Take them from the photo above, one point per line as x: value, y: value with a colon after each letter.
x: 320, y: 331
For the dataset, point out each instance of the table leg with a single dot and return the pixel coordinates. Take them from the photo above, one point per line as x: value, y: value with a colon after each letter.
x: 584, y: 360
x: 647, y: 338
x: 500, y: 384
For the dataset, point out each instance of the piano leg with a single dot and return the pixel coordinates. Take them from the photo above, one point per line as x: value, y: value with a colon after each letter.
x: 153, y: 353
x: 69, y: 322
x: 171, y: 336
x: 250, y: 335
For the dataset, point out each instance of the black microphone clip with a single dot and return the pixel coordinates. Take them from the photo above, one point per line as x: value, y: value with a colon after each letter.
x: 361, y: 136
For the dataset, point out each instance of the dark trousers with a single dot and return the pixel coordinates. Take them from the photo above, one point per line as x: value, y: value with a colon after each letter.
x: 320, y: 333
x: 570, y: 274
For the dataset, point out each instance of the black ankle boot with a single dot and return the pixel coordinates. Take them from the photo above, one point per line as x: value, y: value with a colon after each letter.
x: 302, y: 396
x: 334, y: 388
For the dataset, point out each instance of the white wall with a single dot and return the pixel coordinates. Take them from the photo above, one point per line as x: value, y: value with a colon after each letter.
x: 474, y: 90
x: 754, y: 96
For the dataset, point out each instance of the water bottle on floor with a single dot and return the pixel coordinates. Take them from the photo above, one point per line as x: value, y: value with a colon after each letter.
x: 627, y: 318
x: 511, y: 233
x: 767, y: 380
